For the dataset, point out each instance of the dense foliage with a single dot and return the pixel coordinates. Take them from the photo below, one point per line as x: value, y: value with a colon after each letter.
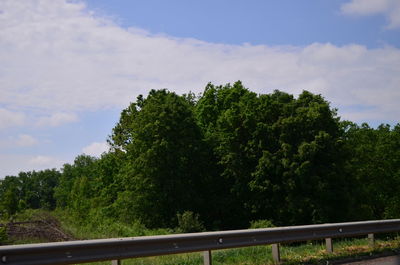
x: 225, y: 159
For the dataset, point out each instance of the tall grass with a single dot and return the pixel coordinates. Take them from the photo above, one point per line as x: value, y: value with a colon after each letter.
x: 312, y: 252
x: 100, y: 227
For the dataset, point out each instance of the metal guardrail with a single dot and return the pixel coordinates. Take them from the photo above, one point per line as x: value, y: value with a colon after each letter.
x: 73, y: 252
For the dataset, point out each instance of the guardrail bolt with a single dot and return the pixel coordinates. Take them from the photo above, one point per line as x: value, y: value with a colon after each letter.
x: 220, y: 241
x: 3, y: 259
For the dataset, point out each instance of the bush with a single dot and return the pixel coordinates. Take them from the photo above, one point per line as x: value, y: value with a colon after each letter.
x: 3, y: 235
x: 261, y: 224
x: 188, y: 222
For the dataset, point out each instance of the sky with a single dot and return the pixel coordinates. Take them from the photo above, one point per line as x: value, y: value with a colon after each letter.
x: 68, y: 68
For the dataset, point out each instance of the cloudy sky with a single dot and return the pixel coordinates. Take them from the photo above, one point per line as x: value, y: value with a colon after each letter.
x: 68, y: 68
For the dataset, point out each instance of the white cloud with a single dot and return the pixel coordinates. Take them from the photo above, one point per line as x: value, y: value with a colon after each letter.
x: 58, y: 57
x: 22, y: 140
x: 96, y: 148
x: 57, y: 119
x: 25, y: 140
x: 43, y: 162
x: 10, y: 118
x: 13, y: 164
x: 365, y: 7
x: 389, y: 8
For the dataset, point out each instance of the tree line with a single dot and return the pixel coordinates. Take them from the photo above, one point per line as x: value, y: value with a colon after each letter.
x: 225, y: 158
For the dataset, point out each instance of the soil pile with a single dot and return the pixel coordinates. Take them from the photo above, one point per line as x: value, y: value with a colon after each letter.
x: 45, y: 228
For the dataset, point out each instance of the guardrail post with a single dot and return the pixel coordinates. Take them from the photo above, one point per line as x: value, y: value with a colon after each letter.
x: 116, y: 262
x: 371, y: 240
x: 276, y: 255
x: 207, y: 258
x: 329, y: 245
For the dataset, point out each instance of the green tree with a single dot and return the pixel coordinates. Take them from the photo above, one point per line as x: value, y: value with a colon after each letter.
x: 227, y: 116
x: 163, y: 146
x: 299, y: 176
x: 83, y: 166
x: 10, y: 190
x: 374, y: 163
x: 278, y: 158
x: 227, y: 157
x: 10, y: 202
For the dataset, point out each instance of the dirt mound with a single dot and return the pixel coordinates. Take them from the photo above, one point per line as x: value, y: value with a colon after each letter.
x: 46, y: 228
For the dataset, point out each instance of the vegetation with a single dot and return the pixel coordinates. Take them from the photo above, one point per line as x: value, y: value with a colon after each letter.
x: 310, y: 253
x: 226, y: 159
x: 3, y: 235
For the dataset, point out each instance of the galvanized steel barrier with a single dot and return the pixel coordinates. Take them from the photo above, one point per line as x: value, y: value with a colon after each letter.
x: 73, y: 252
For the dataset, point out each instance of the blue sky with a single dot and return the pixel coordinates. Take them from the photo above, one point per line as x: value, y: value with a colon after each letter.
x: 68, y: 68
x: 284, y: 22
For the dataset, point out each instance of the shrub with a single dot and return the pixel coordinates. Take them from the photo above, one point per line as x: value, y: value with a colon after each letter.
x: 3, y: 235
x: 261, y: 224
x: 188, y: 222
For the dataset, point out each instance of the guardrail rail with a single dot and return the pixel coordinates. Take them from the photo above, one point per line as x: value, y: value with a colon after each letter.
x: 75, y: 252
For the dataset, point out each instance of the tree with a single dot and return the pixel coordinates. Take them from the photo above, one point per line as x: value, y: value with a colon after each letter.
x: 299, y: 176
x: 279, y: 158
x: 227, y: 116
x: 374, y: 164
x: 84, y: 167
x: 224, y: 159
x: 163, y: 174
x: 10, y: 190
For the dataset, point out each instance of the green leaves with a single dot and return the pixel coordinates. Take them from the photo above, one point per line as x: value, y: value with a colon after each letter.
x: 222, y: 159
x: 374, y: 164
x: 163, y: 147
x: 275, y: 151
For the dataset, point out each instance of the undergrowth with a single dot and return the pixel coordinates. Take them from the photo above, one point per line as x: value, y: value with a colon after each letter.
x: 306, y: 253
x: 312, y: 252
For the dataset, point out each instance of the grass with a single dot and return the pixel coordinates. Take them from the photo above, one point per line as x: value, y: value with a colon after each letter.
x: 299, y: 253
x: 343, y: 249
x: 306, y: 253
x: 100, y: 227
